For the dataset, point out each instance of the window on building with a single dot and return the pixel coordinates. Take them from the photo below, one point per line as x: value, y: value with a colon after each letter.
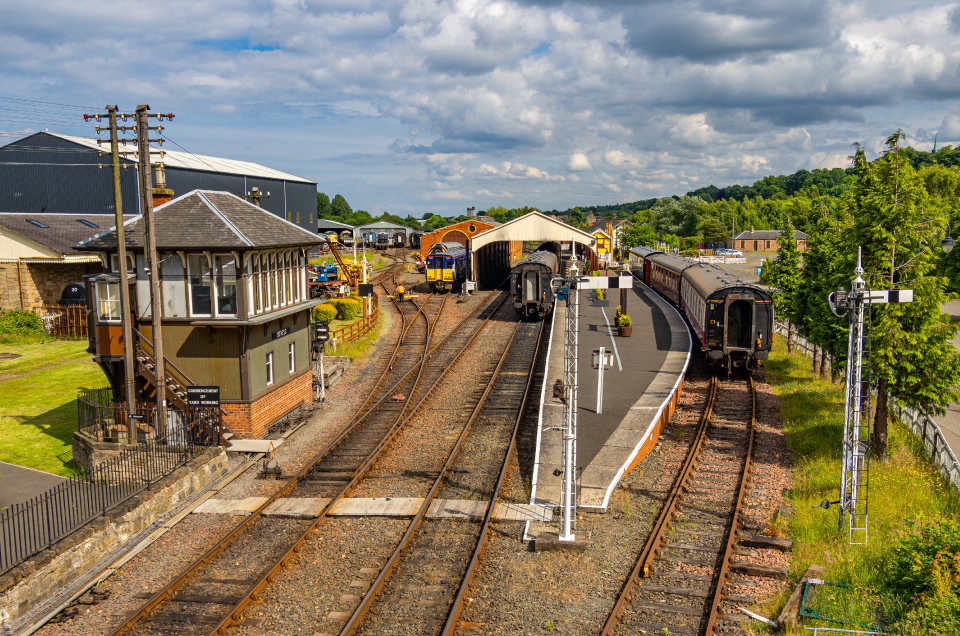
x: 298, y: 217
x: 225, y: 280
x: 257, y: 298
x: 291, y: 357
x: 270, y: 368
x: 272, y: 270
x: 172, y: 290
x: 311, y: 217
x: 281, y: 297
x: 287, y: 274
x: 37, y: 223
x: 198, y: 272
x: 115, y: 260
x: 108, y: 302
x: 88, y: 223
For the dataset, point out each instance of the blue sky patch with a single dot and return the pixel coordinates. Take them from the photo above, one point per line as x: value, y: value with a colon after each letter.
x: 237, y: 44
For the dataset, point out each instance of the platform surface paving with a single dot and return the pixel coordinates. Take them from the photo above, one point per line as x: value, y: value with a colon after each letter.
x: 645, y: 373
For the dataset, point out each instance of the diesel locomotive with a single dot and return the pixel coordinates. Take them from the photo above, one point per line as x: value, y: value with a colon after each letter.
x: 446, y: 265
x: 530, y: 283
x: 732, y: 320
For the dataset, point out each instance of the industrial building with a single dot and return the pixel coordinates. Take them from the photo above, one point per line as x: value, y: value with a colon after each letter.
x: 48, y: 172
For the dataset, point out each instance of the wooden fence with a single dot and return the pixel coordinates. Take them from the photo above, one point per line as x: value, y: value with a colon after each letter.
x: 922, y: 425
x: 69, y: 321
x: 355, y: 330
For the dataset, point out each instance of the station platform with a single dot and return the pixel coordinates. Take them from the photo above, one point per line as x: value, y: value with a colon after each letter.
x: 641, y: 392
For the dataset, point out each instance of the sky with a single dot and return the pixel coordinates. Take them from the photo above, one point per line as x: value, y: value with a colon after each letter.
x: 414, y: 107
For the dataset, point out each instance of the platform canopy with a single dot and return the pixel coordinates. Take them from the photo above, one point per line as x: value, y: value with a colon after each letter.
x: 532, y: 227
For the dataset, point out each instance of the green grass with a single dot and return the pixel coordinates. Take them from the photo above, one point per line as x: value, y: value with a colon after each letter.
x: 903, y: 488
x: 38, y: 406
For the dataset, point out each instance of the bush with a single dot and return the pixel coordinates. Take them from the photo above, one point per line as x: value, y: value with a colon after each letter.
x: 20, y: 323
x: 599, y: 293
x: 323, y: 313
x: 347, y: 308
x: 624, y: 320
x: 618, y: 312
x: 926, y: 560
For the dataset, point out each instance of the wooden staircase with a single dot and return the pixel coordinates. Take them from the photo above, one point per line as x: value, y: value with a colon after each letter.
x: 176, y: 380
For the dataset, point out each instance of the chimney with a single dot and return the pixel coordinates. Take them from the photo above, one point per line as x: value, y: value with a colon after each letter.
x: 471, y: 211
x: 161, y: 194
x: 751, y: 229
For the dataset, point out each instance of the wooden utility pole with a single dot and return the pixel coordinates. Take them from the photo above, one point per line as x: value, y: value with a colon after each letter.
x: 129, y: 379
x: 153, y: 264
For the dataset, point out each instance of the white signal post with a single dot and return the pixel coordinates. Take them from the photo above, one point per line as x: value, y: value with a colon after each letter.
x: 570, y: 379
x: 602, y: 359
x: 854, y: 476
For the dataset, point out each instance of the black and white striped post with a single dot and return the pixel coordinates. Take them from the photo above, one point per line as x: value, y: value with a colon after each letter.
x: 571, y: 350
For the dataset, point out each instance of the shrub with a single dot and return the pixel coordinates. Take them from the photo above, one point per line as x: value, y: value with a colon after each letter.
x: 624, y: 320
x: 20, y: 323
x: 599, y: 294
x: 926, y: 560
x: 323, y: 313
x: 618, y: 312
x: 347, y: 308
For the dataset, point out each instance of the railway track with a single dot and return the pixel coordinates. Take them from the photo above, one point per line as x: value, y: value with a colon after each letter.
x: 678, y: 583
x: 421, y: 585
x: 212, y: 594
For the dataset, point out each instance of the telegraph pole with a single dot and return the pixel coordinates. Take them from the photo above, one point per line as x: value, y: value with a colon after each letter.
x: 130, y: 383
x: 150, y: 249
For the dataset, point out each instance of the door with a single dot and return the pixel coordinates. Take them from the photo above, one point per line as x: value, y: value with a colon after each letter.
x: 738, y: 324
x: 530, y: 286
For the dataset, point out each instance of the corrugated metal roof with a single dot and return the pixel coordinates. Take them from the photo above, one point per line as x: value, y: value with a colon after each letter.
x: 186, y: 160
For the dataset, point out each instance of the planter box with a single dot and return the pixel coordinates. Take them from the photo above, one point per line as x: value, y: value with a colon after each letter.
x: 625, y: 332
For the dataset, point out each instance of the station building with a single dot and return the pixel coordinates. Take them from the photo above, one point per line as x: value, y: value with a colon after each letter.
x: 234, y: 300
x: 766, y: 240
x: 48, y: 172
x: 376, y: 227
x: 39, y: 259
x: 462, y: 232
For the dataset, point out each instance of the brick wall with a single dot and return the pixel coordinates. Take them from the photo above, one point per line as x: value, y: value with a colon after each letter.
x: 251, y: 420
x: 42, y: 282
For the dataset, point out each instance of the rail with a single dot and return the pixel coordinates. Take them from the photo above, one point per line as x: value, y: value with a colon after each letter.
x: 35, y: 525
x: 68, y: 321
x: 922, y: 425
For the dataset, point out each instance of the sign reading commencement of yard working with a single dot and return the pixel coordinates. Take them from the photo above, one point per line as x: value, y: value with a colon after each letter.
x: 203, y: 397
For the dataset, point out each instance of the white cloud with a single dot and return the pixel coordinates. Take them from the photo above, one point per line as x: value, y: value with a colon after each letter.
x: 578, y: 162
x: 380, y: 101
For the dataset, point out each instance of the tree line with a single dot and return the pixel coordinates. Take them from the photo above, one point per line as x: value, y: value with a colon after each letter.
x: 897, y: 211
x: 339, y: 210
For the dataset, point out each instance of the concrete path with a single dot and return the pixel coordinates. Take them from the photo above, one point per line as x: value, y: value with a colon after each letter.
x: 646, y: 374
x: 18, y: 484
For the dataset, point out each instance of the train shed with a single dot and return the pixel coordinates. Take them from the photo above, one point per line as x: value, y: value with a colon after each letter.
x: 462, y: 232
x: 491, y: 250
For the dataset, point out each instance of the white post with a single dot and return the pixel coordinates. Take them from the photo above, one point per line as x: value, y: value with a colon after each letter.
x: 323, y: 392
x: 600, y: 382
x: 571, y: 355
x: 369, y: 299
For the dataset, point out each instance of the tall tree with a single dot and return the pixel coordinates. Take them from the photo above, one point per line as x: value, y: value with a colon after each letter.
x: 340, y: 207
x: 898, y: 229
x: 576, y: 218
x: 323, y: 206
x: 784, y: 274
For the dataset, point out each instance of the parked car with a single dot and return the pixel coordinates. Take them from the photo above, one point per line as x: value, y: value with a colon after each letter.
x: 736, y: 253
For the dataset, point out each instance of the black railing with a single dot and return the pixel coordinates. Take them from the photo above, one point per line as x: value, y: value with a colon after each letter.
x: 102, y: 419
x: 35, y: 525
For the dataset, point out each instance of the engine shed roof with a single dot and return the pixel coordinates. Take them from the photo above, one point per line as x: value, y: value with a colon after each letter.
x: 540, y: 257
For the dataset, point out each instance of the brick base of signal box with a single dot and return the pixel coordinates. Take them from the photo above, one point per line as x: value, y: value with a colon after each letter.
x: 250, y: 420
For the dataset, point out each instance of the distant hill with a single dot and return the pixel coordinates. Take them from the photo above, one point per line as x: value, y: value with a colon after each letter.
x: 833, y: 182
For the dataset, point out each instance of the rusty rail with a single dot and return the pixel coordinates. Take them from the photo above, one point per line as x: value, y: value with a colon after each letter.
x: 735, y: 524
x: 667, y: 512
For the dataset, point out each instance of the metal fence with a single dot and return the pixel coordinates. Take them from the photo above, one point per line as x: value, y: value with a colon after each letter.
x: 28, y: 528
x: 922, y: 425
x: 105, y: 420
x: 67, y: 321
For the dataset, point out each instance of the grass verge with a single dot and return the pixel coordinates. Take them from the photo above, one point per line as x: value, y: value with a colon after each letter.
x: 38, y: 405
x: 906, y: 492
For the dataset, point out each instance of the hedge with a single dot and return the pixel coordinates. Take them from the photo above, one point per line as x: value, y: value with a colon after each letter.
x: 347, y: 308
x: 20, y: 323
x: 323, y: 313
